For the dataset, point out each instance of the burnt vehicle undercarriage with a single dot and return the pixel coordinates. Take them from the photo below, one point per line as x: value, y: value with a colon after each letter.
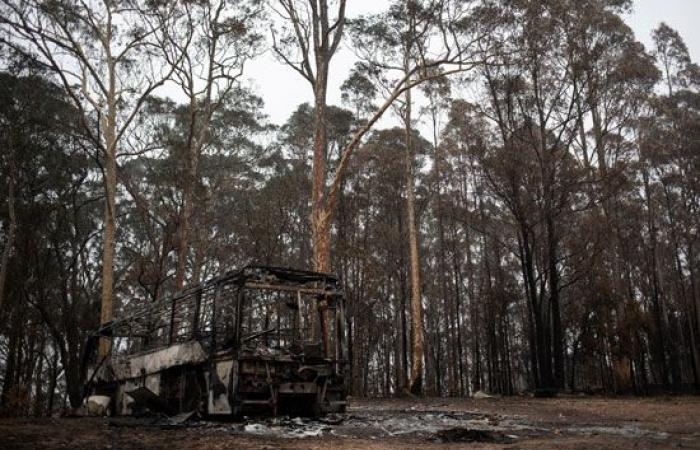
x: 260, y: 340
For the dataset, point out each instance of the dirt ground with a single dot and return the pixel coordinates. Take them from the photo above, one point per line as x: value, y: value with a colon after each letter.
x: 512, y: 423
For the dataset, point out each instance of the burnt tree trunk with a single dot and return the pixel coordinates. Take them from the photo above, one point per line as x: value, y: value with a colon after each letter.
x: 12, y: 226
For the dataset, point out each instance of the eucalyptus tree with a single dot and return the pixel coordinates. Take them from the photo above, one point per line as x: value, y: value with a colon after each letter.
x: 412, y: 43
x: 104, y: 55
x: 306, y: 39
x: 359, y: 92
x: 227, y: 161
x: 669, y: 163
x: 532, y: 104
x: 615, y: 77
x: 222, y: 36
x: 399, y: 37
x: 672, y: 55
x: 459, y: 147
x: 373, y: 247
x: 437, y: 94
x: 53, y: 273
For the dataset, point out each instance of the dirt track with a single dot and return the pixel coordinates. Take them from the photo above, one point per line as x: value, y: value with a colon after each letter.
x: 576, y: 422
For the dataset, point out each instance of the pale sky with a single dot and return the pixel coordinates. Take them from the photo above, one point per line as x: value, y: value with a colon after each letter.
x: 282, y: 89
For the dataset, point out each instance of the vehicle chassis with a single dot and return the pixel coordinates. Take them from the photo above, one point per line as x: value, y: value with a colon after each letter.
x: 260, y: 340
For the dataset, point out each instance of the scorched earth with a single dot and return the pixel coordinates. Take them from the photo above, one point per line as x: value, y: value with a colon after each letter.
x: 520, y: 422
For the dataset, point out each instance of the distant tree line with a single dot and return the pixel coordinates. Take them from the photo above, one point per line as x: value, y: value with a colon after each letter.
x: 530, y: 225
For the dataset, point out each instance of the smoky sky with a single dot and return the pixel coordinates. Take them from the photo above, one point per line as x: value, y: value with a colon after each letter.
x: 283, y: 90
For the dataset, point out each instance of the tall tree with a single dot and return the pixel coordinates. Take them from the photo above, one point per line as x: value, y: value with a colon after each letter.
x: 223, y: 38
x: 310, y: 38
x: 93, y: 48
x: 52, y: 297
x: 397, y: 52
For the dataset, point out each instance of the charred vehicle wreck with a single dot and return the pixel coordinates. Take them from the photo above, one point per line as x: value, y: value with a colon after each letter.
x: 260, y: 340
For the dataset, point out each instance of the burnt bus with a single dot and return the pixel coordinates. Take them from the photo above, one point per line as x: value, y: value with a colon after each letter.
x: 260, y: 340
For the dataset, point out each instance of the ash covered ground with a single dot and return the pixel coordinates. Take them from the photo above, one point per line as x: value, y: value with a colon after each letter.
x: 519, y: 422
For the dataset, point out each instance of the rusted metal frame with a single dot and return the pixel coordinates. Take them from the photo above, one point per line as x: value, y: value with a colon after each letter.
x: 214, y: 315
x: 343, y: 334
x: 240, y: 298
x: 321, y: 393
x: 339, y: 331
x: 297, y: 319
x: 238, y: 277
x: 273, y: 389
x: 282, y: 287
x: 322, y: 311
x: 278, y: 310
x: 197, y: 309
x: 173, y: 305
